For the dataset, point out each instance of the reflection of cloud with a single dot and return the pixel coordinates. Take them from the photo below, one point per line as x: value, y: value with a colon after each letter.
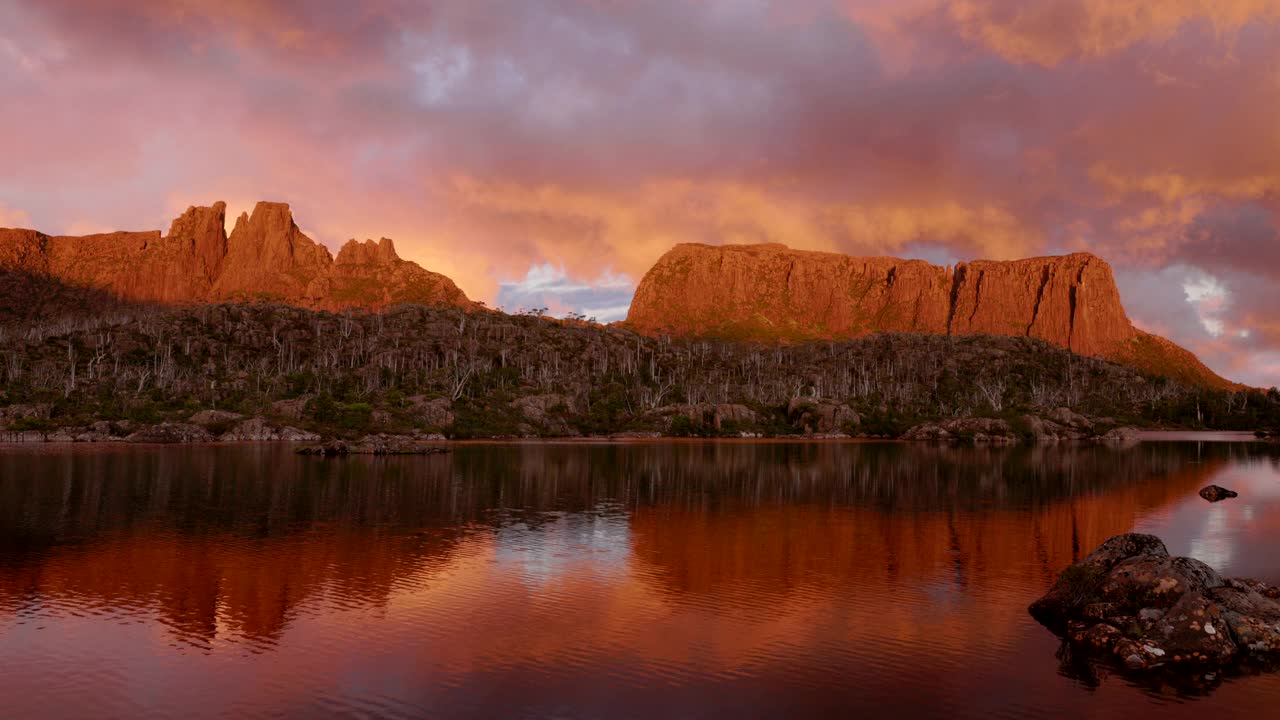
x: 547, y: 552
x: 1214, y: 544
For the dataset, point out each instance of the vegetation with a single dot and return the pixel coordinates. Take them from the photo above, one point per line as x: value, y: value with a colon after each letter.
x: 485, y: 374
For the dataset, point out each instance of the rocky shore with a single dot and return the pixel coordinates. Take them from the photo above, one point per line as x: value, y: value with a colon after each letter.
x: 1132, y: 601
x: 381, y: 444
x: 1060, y: 425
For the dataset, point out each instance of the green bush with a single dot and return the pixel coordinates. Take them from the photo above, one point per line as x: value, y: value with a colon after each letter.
x: 682, y: 426
x: 33, y: 423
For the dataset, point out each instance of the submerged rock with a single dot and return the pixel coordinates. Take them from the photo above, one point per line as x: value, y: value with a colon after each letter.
x: 1216, y: 493
x: 1132, y: 600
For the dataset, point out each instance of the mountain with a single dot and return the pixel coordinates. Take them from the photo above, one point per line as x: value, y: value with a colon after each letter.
x: 266, y: 257
x: 771, y: 292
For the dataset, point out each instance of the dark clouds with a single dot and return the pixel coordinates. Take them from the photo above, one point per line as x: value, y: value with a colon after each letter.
x: 495, y: 140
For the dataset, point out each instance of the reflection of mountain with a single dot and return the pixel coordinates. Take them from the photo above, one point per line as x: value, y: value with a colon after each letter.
x: 208, y: 539
x: 904, y: 513
x: 238, y: 541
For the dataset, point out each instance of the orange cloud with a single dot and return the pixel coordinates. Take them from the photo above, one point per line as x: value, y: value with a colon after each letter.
x: 1047, y: 32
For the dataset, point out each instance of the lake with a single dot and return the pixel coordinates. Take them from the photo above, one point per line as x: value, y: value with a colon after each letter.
x: 607, y: 580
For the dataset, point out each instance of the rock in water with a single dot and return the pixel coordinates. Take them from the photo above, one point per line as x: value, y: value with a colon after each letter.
x: 1216, y: 493
x: 1132, y: 600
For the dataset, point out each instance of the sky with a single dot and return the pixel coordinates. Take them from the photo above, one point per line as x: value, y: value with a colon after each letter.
x: 544, y: 153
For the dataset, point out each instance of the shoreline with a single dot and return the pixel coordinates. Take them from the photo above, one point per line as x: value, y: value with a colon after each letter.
x: 1140, y: 436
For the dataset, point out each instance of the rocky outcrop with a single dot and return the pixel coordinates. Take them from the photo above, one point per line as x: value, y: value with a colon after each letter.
x: 257, y: 429
x: 545, y: 414
x: 431, y: 412
x: 982, y: 431
x: 381, y: 444
x: 170, y: 433
x: 1132, y: 600
x: 704, y: 418
x: 771, y: 292
x: 817, y: 416
x: 266, y: 257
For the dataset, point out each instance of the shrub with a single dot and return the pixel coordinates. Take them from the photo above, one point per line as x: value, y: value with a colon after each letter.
x: 33, y: 423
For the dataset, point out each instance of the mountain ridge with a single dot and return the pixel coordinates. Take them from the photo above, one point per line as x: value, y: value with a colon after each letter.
x: 265, y: 257
x: 770, y: 292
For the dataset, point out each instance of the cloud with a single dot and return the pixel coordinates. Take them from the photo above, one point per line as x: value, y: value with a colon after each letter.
x: 606, y: 298
x: 12, y: 218
x: 495, y: 139
x: 1048, y: 32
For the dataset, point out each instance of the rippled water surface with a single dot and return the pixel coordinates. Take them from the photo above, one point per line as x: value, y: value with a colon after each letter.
x: 670, y: 580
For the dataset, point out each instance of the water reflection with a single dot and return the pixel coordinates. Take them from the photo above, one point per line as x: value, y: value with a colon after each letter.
x: 574, y: 577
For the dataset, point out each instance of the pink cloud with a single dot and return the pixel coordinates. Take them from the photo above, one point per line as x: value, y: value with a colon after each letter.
x: 489, y: 138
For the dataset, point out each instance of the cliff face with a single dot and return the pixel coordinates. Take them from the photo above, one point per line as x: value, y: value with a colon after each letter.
x: 266, y: 257
x: 770, y: 292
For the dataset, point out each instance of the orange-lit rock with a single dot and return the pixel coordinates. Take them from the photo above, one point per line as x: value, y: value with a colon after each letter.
x: 266, y: 257
x: 771, y: 292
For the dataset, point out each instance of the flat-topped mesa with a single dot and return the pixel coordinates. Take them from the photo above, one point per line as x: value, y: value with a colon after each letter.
x: 1068, y: 300
x: 266, y: 257
x: 771, y: 292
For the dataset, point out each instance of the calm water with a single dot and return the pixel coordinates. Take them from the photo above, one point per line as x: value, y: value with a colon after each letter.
x: 675, y: 580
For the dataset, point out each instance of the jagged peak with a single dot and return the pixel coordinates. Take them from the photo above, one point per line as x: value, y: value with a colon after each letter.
x: 354, y: 252
x: 198, y: 215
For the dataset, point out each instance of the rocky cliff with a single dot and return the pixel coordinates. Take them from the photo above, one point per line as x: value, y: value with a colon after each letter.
x: 266, y: 257
x: 771, y: 292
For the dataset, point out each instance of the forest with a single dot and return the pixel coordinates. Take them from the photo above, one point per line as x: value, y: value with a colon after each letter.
x: 477, y: 374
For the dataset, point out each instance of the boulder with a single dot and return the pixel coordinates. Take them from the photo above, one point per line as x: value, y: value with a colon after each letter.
x: 12, y: 413
x: 1120, y: 434
x: 379, y: 444
x: 544, y: 413
x: 821, y: 417
x: 292, y: 408
x: 1251, y: 610
x: 1050, y: 431
x: 214, y: 417
x: 1067, y: 417
x: 431, y: 412
x: 1217, y: 493
x: 981, y: 431
x: 1131, y: 600
x: 709, y: 416
x: 256, y: 429
x: 168, y: 433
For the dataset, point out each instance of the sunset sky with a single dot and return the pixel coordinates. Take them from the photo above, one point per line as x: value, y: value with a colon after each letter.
x: 545, y: 153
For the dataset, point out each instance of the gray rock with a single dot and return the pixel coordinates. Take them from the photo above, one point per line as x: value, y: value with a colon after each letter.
x: 1217, y: 493
x: 1131, y: 599
x: 169, y: 433
x: 432, y: 412
x: 210, y: 417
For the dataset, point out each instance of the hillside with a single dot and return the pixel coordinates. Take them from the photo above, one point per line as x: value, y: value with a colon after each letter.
x: 485, y: 374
